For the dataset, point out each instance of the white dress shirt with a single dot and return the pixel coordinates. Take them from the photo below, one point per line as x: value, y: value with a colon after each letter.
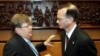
x: 69, y: 34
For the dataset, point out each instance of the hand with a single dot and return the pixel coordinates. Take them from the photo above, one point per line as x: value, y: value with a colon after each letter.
x: 47, y: 55
x: 47, y: 42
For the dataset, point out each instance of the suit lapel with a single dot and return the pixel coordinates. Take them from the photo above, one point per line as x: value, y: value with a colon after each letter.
x: 63, y: 41
x: 24, y: 45
x: 72, y: 42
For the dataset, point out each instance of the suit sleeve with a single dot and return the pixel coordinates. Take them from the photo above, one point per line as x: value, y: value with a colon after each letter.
x: 41, y: 47
x: 10, y: 50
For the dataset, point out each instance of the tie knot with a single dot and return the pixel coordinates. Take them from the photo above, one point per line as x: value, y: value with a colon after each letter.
x: 67, y: 37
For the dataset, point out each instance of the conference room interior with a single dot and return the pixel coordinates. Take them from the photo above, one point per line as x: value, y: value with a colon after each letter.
x: 43, y: 15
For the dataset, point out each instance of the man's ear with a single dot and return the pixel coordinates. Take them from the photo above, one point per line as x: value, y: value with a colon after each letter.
x: 17, y: 30
x: 71, y: 19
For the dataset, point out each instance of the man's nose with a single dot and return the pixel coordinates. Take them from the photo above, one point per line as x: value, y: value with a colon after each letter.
x: 57, y: 21
x: 30, y: 26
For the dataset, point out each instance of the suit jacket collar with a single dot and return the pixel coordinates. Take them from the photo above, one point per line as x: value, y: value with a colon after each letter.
x: 24, y: 45
x: 72, y: 41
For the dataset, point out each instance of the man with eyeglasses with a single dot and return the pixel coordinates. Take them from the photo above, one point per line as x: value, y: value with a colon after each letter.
x: 20, y: 44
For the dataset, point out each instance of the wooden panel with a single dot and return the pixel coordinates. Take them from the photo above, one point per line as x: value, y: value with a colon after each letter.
x: 44, y: 34
x: 53, y: 51
x: 97, y: 43
x: 5, y: 35
x: 37, y: 34
x: 1, y: 48
x: 94, y: 33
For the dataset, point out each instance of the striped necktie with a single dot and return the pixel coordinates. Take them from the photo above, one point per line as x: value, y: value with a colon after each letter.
x: 33, y: 48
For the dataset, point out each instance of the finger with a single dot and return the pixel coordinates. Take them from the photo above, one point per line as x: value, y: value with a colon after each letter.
x: 47, y: 55
x: 52, y: 36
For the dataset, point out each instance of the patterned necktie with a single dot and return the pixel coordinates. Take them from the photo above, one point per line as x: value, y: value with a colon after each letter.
x: 33, y: 48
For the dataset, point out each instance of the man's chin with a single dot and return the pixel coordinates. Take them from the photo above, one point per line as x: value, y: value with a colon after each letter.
x: 60, y: 27
x: 30, y: 35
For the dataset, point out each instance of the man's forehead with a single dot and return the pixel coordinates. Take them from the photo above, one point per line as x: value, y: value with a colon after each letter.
x: 62, y: 12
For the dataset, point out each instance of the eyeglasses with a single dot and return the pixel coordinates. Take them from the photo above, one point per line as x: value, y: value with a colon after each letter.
x: 26, y: 25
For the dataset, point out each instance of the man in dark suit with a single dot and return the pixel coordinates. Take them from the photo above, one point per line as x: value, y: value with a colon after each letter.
x: 75, y: 42
x: 20, y: 44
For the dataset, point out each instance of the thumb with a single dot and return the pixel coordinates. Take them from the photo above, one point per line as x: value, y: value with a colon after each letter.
x: 47, y: 42
x: 49, y: 39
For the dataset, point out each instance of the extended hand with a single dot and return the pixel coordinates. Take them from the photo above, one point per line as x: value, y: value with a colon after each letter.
x: 47, y: 42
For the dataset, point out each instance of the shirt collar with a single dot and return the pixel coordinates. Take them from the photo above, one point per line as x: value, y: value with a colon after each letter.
x: 26, y: 40
x: 70, y: 32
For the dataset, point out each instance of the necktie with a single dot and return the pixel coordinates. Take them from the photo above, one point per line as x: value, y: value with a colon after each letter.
x: 33, y: 48
x: 66, y: 42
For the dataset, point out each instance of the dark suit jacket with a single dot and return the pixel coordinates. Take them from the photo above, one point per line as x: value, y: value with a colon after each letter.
x: 16, y: 46
x: 80, y: 44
